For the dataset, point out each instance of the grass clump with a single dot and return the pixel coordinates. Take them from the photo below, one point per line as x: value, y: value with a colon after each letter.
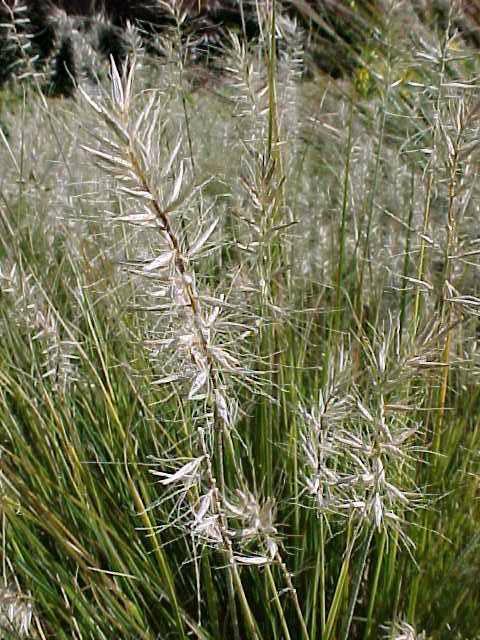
x: 239, y: 317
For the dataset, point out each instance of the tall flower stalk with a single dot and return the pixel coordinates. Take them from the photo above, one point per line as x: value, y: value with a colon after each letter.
x: 131, y: 155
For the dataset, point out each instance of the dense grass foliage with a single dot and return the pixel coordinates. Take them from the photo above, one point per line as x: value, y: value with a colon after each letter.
x: 239, y: 343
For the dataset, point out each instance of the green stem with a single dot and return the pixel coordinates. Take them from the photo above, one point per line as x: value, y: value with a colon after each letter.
x: 406, y: 260
x: 343, y: 224
x: 278, y: 604
x: 340, y: 587
x: 356, y: 588
x: 373, y: 593
x: 319, y: 581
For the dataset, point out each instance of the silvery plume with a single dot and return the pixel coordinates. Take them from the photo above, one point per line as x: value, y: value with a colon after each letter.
x: 198, y: 334
x: 257, y: 536
x: 194, y: 501
x: 401, y: 630
x: 30, y: 309
x: 16, y: 613
x: 356, y: 457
